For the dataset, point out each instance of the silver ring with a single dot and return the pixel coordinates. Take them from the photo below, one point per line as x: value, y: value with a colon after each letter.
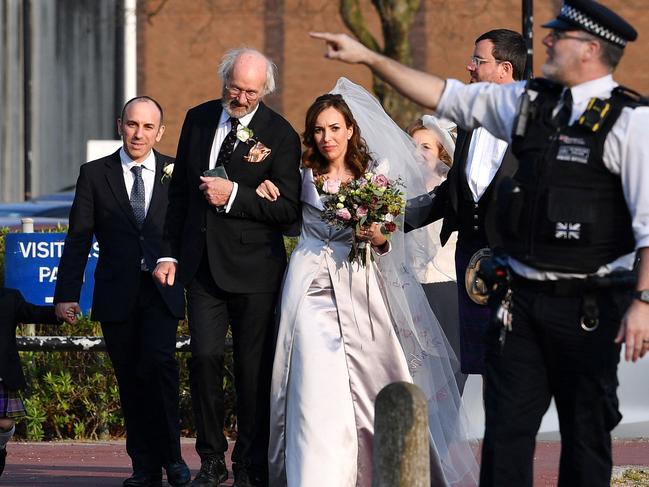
x: 589, y: 325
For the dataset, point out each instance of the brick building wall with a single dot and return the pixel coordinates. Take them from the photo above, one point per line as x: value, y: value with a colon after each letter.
x: 181, y: 42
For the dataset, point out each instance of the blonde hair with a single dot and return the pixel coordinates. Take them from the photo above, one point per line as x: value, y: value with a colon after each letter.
x: 444, y: 156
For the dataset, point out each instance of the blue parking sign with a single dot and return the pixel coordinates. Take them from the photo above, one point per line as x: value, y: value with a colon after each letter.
x: 32, y: 262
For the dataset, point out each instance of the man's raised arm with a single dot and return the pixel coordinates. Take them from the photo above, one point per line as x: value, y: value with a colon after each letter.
x: 422, y: 88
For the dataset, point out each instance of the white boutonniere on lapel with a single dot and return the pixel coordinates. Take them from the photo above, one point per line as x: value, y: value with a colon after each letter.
x: 167, y: 171
x: 245, y: 135
x: 258, y: 151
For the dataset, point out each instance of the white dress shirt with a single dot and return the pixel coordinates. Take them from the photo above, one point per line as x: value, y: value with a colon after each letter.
x: 626, y: 149
x: 483, y: 160
x: 148, y: 175
x: 222, y: 131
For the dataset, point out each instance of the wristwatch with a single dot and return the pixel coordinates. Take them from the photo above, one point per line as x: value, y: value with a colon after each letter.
x: 642, y: 295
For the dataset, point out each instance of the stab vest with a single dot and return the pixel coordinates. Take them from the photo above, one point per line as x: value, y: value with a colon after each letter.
x: 564, y: 210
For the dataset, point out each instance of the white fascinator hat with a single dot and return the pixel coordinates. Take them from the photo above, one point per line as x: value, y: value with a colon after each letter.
x: 444, y: 130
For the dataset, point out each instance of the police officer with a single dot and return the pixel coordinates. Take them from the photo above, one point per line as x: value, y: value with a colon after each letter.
x: 576, y: 218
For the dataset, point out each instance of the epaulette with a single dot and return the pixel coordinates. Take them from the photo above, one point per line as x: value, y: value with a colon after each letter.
x: 629, y: 97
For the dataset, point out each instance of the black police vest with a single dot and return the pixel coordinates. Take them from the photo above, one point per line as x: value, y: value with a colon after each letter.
x: 564, y: 210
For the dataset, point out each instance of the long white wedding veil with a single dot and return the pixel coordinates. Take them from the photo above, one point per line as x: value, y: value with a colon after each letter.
x: 430, y: 358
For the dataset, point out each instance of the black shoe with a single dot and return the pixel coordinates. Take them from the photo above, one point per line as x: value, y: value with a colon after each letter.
x: 212, y: 473
x: 3, y: 459
x: 178, y: 473
x: 248, y: 476
x: 142, y: 479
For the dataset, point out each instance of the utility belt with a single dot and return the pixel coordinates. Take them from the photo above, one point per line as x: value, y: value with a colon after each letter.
x: 503, y: 283
x: 577, y: 287
x: 586, y: 288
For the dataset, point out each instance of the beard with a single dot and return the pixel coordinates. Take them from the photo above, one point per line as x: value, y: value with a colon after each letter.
x: 234, y: 109
x: 550, y: 71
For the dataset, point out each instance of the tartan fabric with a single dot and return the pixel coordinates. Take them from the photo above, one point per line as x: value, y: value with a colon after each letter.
x: 474, y: 318
x: 11, y: 406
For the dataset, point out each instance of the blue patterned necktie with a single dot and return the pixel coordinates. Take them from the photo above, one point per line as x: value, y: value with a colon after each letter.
x: 227, y: 147
x: 137, y: 195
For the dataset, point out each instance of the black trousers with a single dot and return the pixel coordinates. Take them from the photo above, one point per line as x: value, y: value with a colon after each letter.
x: 251, y: 318
x: 548, y: 354
x: 143, y: 352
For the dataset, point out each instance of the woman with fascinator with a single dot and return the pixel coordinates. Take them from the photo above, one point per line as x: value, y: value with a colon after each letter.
x: 432, y: 262
x: 347, y: 331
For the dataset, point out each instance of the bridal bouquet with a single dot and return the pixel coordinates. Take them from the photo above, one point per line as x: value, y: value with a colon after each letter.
x: 373, y: 198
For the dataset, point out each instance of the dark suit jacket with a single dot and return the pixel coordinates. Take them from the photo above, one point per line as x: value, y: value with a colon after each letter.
x: 101, y: 207
x: 13, y: 311
x: 446, y: 201
x: 244, y: 246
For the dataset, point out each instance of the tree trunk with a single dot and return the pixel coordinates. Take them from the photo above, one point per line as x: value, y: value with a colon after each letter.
x: 397, y: 17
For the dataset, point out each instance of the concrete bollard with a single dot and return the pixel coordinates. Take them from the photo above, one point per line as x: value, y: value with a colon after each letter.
x: 401, y: 444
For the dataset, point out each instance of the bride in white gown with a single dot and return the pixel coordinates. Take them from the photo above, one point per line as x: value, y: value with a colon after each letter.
x: 347, y: 331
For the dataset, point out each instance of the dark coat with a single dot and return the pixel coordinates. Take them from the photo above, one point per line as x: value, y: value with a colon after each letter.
x: 445, y: 202
x: 14, y: 310
x: 244, y: 246
x: 102, y: 207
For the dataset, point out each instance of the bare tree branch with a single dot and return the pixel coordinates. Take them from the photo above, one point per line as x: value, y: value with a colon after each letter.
x: 350, y: 11
x: 152, y: 13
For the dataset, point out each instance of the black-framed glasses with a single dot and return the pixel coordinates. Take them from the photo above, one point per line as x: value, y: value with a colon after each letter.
x: 557, y: 35
x: 478, y: 61
x: 235, y: 92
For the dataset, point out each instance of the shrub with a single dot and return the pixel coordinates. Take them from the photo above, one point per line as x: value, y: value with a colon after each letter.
x: 74, y: 395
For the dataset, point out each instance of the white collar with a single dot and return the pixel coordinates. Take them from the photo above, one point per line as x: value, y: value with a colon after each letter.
x: 245, y: 120
x: 596, y: 88
x: 128, y: 163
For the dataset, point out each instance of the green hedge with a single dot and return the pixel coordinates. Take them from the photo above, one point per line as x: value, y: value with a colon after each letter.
x: 74, y: 395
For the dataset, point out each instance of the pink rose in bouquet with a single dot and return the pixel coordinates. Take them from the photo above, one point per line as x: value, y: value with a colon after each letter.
x: 331, y: 186
x: 380, y: 180
x: 344, y: 214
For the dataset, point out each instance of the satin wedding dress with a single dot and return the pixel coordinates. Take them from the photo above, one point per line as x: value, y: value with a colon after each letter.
x: 346, y: 332
x: 332, y: 359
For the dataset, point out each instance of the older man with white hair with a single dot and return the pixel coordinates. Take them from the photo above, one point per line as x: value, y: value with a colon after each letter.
x: 224, y: 243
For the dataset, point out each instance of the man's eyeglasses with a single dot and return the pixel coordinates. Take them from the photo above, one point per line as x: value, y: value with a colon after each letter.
x: 557, y: 35
x: 235, y: 92
x: 478, y: 61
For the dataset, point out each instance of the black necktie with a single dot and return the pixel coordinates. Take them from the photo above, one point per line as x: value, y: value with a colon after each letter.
x: 137, y: 195
x: 227, y: 147
x: 562, y: 118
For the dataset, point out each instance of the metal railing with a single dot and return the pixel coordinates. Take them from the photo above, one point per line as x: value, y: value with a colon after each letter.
x: 82, y: 343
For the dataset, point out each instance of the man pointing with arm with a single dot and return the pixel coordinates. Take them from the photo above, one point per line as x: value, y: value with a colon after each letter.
x: 573, y: 220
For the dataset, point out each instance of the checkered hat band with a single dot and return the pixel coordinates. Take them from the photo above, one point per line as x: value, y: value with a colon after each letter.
x: 571, y: 13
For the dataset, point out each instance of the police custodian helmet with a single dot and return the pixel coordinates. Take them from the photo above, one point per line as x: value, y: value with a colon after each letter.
x: 594, y: 18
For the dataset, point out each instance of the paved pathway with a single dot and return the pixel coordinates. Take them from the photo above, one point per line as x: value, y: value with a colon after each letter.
x: 105, y: 464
